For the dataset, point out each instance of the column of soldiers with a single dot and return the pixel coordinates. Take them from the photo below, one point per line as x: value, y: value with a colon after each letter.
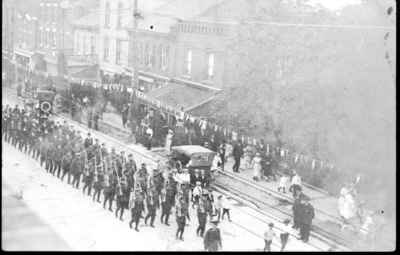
x: 63, y: 152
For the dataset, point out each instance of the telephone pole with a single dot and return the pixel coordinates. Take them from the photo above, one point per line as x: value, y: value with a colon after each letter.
x: 134, y: 46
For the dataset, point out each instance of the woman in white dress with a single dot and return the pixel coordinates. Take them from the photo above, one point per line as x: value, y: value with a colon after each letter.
x: 247, y: 157
x: 346, y: 206
x: 257, y: 168
x: 168, y: 140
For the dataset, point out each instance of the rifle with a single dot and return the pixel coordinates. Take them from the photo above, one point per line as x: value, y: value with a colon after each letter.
x: 118, y: 178
x: 95, y: 170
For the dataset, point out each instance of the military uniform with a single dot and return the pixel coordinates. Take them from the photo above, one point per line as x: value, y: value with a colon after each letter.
x: 76, y: 169
x: 109, y: 191
x: 66, y: 166
x: 152, y: 204
x: 98, y: 186
x: 88, y: 178
x: 181, y: 212
x: 57, y: 160
x: 122, y: 198
x: 137, y: 209
x: 201, y: 216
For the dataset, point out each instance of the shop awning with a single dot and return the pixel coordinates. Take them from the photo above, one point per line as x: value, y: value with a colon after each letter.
x: 177, y: 95
x: 144, y: 78
x: 89, y: 73
x: 23, y: 52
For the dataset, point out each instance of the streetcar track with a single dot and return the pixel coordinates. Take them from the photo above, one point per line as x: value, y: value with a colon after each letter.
x: 324, y: 236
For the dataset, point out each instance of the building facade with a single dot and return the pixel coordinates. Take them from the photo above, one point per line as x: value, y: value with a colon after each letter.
x: 86, y: 38
x: 113, y: 37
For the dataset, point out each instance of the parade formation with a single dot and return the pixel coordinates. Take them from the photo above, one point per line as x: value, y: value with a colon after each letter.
x: 65, y: 154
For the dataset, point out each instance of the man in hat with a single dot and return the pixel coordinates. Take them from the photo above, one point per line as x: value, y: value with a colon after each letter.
x: 141, y: 177
x: 88, y: 177
x: 195, y: 178
x: 296, y: 212
x: 58, y: 154
x: 122, y: 198
x: 201, y: 216
x: 137, y: 209
x: 77, y: 168
x: 180, y: 217
x: 152, y: 204
x: 109, y: 190
x: 158, y: 180
x: 204, y: 179
x: 196, y: 193
x: 306, y: 217
x: 212, y: 239
x: 98, y: 184
x: 167, y: 201
x: 285, y: 234
x: 129, y: 172
x: 295, y: 184
x: 237, y: 155
x: 88, y: 141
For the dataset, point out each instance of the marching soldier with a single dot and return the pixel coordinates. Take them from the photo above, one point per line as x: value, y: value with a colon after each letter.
x: 66, y: 166
x: 103, y: 150
x: 201, y: 216
x: 122, y: 198
x: 137, y: 209
x: 109, y: 190
x: 43, y: 151
x: 131, y: 164
x: 180, y: 217
x: 77, y: 168
x: 88, y: 177
x: 98, y: 182
x: 121, y: 161
x: 129, y: 172
x: 57, y: 160
x: 141, y: 177
x: 152, y: 204
x: 50, y: 155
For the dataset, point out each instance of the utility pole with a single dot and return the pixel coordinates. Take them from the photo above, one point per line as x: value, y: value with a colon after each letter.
x: 134, y: 46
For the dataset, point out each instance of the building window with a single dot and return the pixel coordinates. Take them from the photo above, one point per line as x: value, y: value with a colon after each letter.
x: 76, y: 47
x: 164, y: 57
x: 146, y: 54
x: 211, y: 61
x: 92, y: 45
x: 159, y: 56
x: 54, y: 38
x: 140, y: 53
x: 106, y: 53
x: 119, y: 15
x: 189, y: 62
x: 154, y: 56
x: 107, y: 15
x: 118, y: 52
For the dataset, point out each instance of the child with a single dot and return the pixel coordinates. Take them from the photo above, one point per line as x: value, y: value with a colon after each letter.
x: 285, y: 234
x: 283, y: 183
x: 269, y: 236
x: 218, y: 206
x: 226, y: 208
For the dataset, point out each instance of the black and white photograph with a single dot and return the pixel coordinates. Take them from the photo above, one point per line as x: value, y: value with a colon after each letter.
x: 198, y: 125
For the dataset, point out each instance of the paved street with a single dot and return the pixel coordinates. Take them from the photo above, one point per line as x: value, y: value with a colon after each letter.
x: 86, y: 226
x: 23, y: 229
